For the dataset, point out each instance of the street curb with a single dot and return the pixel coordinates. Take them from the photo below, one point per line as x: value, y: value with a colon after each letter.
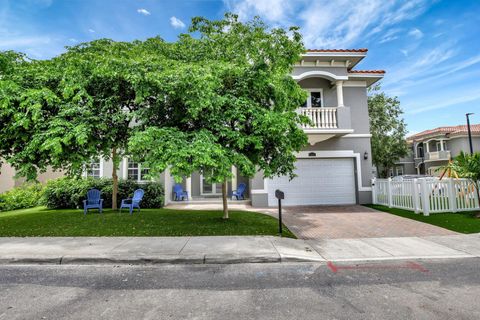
x: 189, y: 260
x: 30, y: 260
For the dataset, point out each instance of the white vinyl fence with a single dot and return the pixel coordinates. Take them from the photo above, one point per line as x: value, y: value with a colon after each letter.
x: 426, y: 195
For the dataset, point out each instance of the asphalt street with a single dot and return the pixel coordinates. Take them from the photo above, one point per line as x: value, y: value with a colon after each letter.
x: 434, y: 289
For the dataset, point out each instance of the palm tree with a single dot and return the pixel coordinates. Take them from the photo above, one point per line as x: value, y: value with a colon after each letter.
x: 466, y: 166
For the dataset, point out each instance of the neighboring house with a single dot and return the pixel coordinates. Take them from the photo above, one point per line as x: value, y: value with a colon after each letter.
x: 335, y: 167
x: 8, y: 180
x: 432, y: 149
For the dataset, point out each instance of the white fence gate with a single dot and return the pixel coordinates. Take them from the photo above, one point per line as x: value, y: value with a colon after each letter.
x: 426, y: 195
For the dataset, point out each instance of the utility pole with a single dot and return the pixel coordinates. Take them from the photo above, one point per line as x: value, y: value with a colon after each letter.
x: 469, y: 131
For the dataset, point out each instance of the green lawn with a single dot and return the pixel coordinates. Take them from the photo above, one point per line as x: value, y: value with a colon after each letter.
x: 463, y: 222
x: 42, y: 222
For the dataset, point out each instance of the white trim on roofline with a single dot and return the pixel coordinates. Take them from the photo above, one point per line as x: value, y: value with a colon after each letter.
x: 355, y: 84
x: 334, y: 54
x: 366, y: 75
x: 319, y: 73
x: 357, y: 135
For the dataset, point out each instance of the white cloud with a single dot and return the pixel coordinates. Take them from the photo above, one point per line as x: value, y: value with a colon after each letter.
x: 270, y: 10
x: 21, y: 42
x: 91, y: 30
x: 390, y: 35
x: 73, y: 40
x: 177, y: 23
x: 424, y: 64
x: 445, y: 103
x: 143, y: 11
x: 332, y: 24
x: 416, y: 33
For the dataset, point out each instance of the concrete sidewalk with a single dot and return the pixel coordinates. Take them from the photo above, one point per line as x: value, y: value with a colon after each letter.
x: 198, y: 250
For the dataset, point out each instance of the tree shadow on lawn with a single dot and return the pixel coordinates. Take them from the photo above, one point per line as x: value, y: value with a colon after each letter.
x: 149, y: 222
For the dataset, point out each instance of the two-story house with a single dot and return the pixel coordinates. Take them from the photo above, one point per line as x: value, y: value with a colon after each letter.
x: 432, y: 149
x: 335, y: 167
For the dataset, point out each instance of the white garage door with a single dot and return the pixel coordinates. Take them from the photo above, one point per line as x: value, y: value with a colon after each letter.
x: 318, y: 181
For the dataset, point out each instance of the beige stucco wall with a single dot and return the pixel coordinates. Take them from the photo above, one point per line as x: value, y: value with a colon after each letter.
x: 8, y: 180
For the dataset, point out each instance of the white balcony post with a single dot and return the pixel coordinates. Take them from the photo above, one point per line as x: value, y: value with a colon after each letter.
x: 441, y: 145
x: 427, y: 147
x: 339, y: 85
x: 188, y: 186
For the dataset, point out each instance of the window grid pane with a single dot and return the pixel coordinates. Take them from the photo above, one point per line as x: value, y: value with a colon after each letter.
x: 132, y: 172
x: 93, y: 169
x: 143, y: 174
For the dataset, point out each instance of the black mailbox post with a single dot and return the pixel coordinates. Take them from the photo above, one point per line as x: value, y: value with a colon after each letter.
x: 280, y: 196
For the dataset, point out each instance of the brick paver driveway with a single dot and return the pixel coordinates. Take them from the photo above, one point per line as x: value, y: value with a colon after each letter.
x: 335, y: 222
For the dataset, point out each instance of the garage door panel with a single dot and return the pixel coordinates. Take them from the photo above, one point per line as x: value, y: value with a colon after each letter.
x: 318, y: 181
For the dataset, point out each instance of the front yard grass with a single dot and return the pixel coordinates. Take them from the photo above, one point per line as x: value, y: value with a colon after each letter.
x: 463, y: 222
x: 42, y: 222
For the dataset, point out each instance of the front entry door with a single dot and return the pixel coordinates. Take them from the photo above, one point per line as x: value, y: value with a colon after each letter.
x: 210, y: 188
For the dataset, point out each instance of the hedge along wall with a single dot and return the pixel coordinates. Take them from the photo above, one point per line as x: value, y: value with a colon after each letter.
x: 25, y: 196
x: 69, y: 193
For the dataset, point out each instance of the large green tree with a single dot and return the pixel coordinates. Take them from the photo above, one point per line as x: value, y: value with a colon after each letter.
x: 388, y: 130
x: 227, y: 99
x: 68, y: 110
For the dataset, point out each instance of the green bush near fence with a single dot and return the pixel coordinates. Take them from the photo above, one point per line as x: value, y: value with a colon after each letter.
x: 27, y: 195
x: 69, y: 193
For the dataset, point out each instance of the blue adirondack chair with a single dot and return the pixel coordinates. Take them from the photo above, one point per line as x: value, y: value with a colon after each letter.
x: 178, y: 193
x: 133, y: 202
x: 239, y: 193
x: 93, y: 201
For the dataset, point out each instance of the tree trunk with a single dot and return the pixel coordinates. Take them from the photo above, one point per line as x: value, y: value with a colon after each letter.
x: 224, y: 198
x: 114, y: 178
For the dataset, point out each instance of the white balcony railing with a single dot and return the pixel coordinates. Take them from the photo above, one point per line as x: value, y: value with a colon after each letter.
x: 438, y: 155
x: 322, y: 118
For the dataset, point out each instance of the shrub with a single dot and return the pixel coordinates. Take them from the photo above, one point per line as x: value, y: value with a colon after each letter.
x: 27, y: 195
x: 65, y: 193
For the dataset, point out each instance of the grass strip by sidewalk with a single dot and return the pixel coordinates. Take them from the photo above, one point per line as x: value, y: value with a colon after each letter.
x: 463, y: 222
x: 42, y: 222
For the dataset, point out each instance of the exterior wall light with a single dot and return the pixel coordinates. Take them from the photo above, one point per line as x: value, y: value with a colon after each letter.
x: 365, y: 155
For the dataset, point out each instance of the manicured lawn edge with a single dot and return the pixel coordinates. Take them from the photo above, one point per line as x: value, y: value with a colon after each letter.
x: 463, y: 222
x: 42, y: 222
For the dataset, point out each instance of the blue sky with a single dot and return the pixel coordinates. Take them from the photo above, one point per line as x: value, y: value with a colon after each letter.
x: 430, y: 49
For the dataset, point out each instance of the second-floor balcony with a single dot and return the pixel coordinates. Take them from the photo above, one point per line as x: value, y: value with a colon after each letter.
x: 327, y: 118
x: 322, y: 118
x: 438, y: 155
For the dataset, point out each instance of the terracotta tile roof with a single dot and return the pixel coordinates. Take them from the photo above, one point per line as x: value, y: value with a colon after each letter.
x: 367, y: 71
x: 453, y: 130
x: 338, y: 50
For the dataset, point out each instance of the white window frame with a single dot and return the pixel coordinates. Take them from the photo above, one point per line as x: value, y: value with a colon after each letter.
x: 88, y: 168
x: 138, y: 168
x: 398, y: 170
x: 309, y: 99
x: 214, y: 188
